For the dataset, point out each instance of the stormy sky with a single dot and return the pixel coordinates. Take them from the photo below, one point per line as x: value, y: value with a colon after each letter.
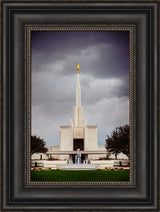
x: 104, y: 77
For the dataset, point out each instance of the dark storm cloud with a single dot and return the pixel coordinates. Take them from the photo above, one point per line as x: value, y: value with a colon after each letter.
x: 104, y: 77
x: 106, y: 52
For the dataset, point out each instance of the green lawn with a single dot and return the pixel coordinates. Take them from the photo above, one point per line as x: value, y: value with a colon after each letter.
x: 80, y: 175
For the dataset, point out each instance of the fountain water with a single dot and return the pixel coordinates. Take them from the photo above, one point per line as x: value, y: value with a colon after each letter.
x: 78, y: 157
x: 78, y: 164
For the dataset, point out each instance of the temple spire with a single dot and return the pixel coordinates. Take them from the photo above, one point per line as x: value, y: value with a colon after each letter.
x: 78, y: 89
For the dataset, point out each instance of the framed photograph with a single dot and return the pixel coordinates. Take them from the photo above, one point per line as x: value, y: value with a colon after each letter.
x: 80, y: 149
x: 80, y: 106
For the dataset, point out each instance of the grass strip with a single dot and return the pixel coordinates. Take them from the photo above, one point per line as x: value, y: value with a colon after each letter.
x: 80, y: 175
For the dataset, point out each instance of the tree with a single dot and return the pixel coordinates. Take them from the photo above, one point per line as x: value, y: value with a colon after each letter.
x: 38, y: 145
x: 118, y: 141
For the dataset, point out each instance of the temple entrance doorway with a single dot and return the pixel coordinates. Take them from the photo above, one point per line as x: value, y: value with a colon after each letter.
x: 78, y: 144
x: 82, y: 158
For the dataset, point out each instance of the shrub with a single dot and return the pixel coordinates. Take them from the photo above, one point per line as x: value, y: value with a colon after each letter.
x: 52, y: 158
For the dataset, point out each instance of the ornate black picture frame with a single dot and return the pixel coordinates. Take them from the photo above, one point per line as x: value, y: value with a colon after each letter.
x: 17, y: 192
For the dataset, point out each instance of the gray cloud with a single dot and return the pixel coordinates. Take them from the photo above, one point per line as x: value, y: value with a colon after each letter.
x: 104, y: 77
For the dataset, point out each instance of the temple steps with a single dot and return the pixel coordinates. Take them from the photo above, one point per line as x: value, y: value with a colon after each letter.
x: 78, y: 167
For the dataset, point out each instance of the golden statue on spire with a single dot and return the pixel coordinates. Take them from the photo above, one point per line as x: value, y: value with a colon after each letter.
x: 78, y: 68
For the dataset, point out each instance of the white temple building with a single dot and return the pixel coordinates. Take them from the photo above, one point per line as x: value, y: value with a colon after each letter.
x: 77, y: 135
